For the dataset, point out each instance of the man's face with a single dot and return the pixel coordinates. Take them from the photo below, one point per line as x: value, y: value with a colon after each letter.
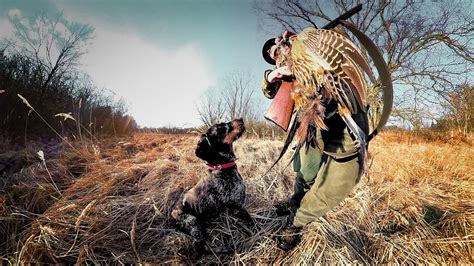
x: 281, y: 51
x: 273, y: 52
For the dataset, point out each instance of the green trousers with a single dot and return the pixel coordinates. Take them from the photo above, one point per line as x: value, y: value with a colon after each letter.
x: 322, y: 182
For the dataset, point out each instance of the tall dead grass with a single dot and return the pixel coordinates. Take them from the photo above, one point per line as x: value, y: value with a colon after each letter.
x: 415, y: 205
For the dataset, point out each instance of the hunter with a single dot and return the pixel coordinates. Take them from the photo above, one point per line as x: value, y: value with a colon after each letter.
x: 326, y: 73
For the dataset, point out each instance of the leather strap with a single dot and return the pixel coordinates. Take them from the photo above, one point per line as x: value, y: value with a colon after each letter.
x: 384, y: 75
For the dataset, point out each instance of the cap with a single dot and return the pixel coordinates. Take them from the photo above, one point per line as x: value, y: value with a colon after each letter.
x: 268, y: 44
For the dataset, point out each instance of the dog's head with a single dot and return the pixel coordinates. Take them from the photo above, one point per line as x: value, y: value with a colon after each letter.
x: 215, y: 147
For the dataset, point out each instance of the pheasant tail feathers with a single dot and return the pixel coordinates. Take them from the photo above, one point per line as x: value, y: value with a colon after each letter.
x: 311, y: 117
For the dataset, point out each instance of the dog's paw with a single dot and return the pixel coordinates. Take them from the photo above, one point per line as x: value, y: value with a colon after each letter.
x: 175, y: 213
x: 222, y: 250
x: 200, y: 247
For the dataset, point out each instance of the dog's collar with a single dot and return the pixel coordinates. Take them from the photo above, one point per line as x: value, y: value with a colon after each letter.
x: 221, y: 166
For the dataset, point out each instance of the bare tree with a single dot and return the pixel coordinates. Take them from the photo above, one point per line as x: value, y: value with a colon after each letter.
x: 428, y: 46
x: 54, y: 45
x: 40, y: 63
x: 211, y: 108
x: 461, y: 108
x: 234, y: 99
x: 238, y: 97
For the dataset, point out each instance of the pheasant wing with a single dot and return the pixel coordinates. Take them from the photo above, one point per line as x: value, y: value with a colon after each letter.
x: 325, y: 57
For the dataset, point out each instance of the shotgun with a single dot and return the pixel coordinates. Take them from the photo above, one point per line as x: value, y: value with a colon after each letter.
x: 281, y: 108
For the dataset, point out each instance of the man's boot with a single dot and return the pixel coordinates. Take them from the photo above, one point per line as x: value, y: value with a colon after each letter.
x: 288, y: 207
x: 282, y: 208
x: 289, y: 238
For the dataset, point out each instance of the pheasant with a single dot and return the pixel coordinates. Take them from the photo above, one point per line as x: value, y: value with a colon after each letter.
x: 327, y: 66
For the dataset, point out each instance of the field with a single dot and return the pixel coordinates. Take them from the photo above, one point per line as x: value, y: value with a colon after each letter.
x: 108, y: 202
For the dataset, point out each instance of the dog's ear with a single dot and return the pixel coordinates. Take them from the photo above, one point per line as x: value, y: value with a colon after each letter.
x: 202, y: 140
x: 203, y: 147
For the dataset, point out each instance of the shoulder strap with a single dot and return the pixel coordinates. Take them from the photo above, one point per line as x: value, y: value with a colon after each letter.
x: 384, y: 75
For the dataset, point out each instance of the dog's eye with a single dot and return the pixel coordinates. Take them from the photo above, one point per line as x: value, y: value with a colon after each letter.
x: 223, y: 129
x: 228, y: 128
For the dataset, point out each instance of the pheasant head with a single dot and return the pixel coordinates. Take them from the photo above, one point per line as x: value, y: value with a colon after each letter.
x: 281, y: 51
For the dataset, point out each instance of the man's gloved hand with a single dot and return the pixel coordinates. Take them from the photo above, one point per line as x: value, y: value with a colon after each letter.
x: 272, y: 80
x: 278, y: 74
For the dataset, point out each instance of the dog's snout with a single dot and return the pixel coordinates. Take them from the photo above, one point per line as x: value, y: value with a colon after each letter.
x: 239, y: 122
x: 237, y: 129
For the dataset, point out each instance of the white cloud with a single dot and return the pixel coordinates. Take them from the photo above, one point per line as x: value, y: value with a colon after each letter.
x: 161, y: 86
x: 6, y: 28
x: 15, y: 12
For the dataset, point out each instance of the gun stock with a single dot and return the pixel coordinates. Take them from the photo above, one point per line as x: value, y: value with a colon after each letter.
x: 281, y: 108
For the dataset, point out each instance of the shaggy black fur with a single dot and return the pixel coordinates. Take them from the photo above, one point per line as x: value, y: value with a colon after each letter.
x: 221, y: 190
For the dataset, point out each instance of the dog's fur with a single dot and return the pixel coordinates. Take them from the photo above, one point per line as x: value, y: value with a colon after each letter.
x: 221, y: 190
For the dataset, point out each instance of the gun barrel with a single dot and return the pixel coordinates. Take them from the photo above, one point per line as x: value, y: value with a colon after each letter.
x: 344, y: 16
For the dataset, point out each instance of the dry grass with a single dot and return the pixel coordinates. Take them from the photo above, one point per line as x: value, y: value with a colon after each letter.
x: 414, y: 206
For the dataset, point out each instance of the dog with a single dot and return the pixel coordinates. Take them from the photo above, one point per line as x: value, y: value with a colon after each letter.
x: 222, y: 189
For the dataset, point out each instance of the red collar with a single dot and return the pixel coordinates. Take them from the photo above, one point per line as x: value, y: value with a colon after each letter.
x: 221, y: 166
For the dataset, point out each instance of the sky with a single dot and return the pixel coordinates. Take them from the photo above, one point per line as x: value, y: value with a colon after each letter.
x: 160, y: 56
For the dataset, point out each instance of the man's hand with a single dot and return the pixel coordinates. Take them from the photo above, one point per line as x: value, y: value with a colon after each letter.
x: 278, y: 74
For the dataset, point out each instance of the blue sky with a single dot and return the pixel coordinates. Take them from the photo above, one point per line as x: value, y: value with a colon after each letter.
x: 161, y: 56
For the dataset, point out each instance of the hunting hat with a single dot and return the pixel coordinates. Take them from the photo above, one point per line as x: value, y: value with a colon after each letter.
x: 268, y: 44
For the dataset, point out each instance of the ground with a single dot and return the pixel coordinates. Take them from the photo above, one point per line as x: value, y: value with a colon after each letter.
x: 108, y: 201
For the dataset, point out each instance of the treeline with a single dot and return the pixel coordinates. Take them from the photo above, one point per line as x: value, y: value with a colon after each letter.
x: 169, y: 130
x: 40, y: 66
x: 258, y: 129
x: 459, y: 110
x: 89, y: 110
